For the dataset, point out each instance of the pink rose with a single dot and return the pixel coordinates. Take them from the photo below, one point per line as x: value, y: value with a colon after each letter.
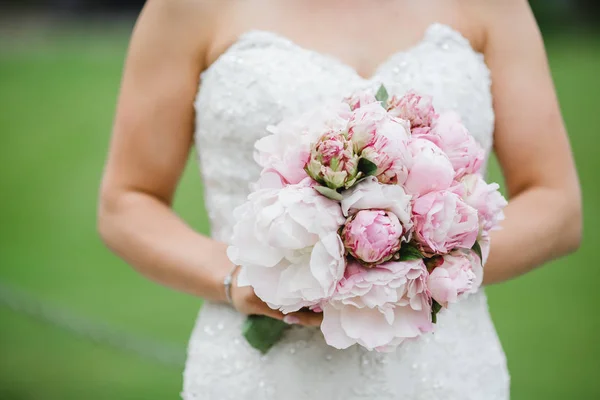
x: 486, y: 199
x: 379, y: 307
x: 429, y: 170
x: 372, y: 236
x: 332, y: 161
x: 444, y: 222
x: 360, y: 99
x: 465, y: 154
x: 415, y: 108
x: 454, y: 276
x: 383, y: 140
x: 287, y: 149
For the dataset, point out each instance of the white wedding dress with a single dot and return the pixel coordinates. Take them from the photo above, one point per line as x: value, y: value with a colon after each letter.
x: 262, y: 78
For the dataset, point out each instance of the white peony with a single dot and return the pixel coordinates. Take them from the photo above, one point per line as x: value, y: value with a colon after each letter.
x: 370, y: 194
x: 287, y: 244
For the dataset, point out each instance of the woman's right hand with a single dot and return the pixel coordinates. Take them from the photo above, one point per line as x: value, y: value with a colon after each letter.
x: 245, y: 301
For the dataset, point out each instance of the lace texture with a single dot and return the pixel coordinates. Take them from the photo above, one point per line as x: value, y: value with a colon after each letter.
x: 261, y: 79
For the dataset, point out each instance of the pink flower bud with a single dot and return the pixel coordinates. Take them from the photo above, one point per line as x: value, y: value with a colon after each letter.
x: 415, y: 108
x: 372, y: 236
x: 332, y: 161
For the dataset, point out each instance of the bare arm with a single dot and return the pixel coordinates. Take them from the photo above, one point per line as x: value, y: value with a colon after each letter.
x: 150, y: 146
x: 543, y: 218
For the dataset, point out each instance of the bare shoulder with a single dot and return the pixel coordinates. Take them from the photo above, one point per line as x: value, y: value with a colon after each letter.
x: 189, y: 24
x: 192, y: 14
x: 502, y: 21
x: 189, y: 8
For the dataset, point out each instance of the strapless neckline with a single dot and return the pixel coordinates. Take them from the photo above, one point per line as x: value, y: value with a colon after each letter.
x: 432, y: 33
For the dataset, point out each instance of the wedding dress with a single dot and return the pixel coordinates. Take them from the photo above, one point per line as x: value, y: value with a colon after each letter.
x: 262, y: 78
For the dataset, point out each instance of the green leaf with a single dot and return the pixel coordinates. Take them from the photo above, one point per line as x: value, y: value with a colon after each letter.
x: 382, y: 96
x: 477, y: 249
x: 435, y: 309
x: 263, y: 332
x: 367, y: 167
x: 329, y: 193
x: 409, y: 252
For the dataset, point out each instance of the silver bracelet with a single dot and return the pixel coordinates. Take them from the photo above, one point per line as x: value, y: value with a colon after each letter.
x: 228, y: 282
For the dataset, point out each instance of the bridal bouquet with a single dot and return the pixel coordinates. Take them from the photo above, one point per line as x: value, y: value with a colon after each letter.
x: 371, y: 210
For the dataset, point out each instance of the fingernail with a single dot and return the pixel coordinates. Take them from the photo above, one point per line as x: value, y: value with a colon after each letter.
x: 291, y: 320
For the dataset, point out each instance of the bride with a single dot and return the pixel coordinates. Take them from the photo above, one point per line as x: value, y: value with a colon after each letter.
x: 216, y: 73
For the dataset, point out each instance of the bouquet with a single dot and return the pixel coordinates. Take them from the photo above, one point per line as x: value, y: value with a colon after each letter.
x: 371, y: 210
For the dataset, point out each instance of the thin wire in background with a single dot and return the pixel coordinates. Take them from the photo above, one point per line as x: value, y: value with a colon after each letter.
x: 163, y: 352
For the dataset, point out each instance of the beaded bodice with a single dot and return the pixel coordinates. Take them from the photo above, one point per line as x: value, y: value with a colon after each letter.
x: 264, y: 77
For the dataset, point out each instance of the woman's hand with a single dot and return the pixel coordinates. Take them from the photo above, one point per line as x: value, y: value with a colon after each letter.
x: 247, y: 302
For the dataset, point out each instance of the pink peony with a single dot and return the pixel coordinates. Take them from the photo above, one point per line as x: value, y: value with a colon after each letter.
x: 454, y: 276
x: 378, y: 307
x: 465, y: 154
x: 269, y: 179
x: 383, y: 140
x: 486, y: 199
x: 360, y: 99
x: 444, y: 222
x: 372, y: 236
x: 332, y: 161
x: 421, y: 131
x: 287, y: 150
x: 430, y: 168
x: 287, y: 244
x: 370, y: 194
x: 416, y: 109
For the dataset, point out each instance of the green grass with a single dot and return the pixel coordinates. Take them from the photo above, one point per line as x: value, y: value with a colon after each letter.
x: 56, y: 104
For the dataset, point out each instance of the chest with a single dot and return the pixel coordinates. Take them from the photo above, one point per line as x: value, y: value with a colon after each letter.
x: 361, y: 33
x: 264, y: 77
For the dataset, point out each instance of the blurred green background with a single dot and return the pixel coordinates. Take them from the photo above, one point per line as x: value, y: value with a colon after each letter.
x: 58, y: 85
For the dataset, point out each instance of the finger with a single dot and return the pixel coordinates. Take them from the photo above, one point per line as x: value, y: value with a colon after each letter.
x: 306, y: 318
x: 264, y: 309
